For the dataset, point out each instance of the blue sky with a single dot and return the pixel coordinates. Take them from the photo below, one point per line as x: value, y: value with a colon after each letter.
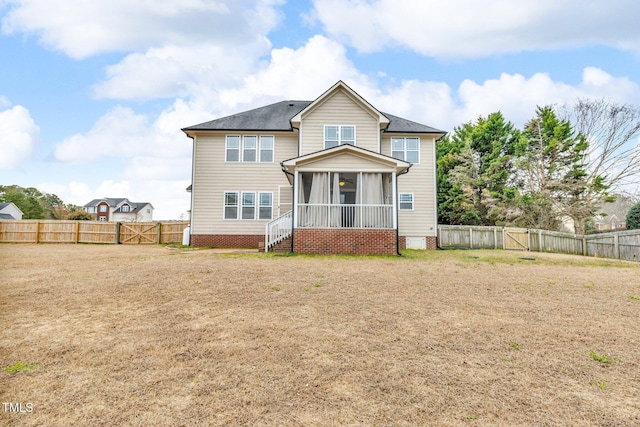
x: 93, y: 94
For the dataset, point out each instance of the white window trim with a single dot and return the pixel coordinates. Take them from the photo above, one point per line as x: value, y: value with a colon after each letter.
x: 224, y: 205
x: 255, y: 149
x: 242, y: 148
x: 404, y: 147
x: 242, y: 206
x: 324, y: 134
x: 273, y: 148
x: 413, y: 202
x: 259, y: 206
x: 226, y: 149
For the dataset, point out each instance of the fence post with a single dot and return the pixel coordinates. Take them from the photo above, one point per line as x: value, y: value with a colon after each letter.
x: 37, y: 231
x: 585, y: 250
x: 495, y: 239
x: 471, y: 238
x: 77, y: 231
x: 117, y: 233
x: 159, y: 239
x: 616, y: 246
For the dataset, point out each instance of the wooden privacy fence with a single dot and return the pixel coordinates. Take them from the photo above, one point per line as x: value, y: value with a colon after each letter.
x: 623, y: 245
x: 54, y: 231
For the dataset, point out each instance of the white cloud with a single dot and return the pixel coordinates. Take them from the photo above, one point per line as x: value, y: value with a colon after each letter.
x: 84, y: 28
x: 18, y: 136
x: 469, y: 28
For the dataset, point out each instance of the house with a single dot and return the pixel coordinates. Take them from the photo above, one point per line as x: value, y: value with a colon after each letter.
x: 8, y: 210
x: 613, y: 215
x: 120, y: 210
x: 333, y: 175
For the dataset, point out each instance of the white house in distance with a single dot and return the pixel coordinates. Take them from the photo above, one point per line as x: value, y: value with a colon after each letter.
x: 334, y: 175
x: 8, y: 210
x: 120, y: 210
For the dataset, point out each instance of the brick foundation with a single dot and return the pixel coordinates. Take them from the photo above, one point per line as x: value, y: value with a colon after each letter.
x: 344, y: 241
x: 432, y: 242
x: 227, y: 240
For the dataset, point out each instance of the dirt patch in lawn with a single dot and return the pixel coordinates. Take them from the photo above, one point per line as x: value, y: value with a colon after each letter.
x: 106, y: 335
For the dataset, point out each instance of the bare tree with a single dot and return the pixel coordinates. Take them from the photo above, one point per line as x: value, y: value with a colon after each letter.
x: 613, y: 157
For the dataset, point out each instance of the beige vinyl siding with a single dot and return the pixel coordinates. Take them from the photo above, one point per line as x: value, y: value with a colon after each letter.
x: 421, y: 182
x: 345, y: 163
x: 213, y: 176
x: 339, y: 109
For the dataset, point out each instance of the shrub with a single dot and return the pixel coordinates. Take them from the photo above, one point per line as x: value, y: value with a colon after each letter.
x: 633, y: 217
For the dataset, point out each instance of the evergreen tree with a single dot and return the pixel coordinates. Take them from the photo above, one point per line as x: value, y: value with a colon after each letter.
x: 475, y: 167
x: 633, y: 217
x: 552, y: 172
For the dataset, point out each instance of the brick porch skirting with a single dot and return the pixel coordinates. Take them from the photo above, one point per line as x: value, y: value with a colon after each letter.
x: 227, y: 240
x: 355, y: 241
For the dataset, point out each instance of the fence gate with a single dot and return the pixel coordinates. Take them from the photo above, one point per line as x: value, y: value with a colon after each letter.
x: 516, y: 239
x: 139, y: 233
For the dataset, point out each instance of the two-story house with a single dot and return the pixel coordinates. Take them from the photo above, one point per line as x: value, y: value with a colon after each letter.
x: 334, y: 175
x: 8, y: 210
x: 120, y: 210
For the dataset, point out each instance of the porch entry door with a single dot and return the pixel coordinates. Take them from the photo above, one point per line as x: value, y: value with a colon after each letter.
x: 347, y: 189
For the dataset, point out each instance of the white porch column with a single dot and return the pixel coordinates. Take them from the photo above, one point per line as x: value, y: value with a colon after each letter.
x: 294, y: 205
x: 394, y: 186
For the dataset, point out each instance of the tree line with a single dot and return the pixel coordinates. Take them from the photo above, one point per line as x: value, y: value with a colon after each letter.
x: 35, y: 204
x: 563, y: 164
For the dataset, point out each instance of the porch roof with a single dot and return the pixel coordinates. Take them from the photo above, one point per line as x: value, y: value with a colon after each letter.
x: 376, y: 159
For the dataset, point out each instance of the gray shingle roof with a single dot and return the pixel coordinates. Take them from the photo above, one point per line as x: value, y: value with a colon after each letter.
x: 6, y: 216
x: 276, y: 117
x: 4, y: 205
x: 400, y: 125
x: 269, y: 118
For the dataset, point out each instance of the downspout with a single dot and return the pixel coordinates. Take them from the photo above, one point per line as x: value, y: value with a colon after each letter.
x: 397, y: 211
x: 193, y: 170
x: 293, y: 201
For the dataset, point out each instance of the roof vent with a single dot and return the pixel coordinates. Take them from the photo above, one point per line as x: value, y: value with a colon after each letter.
x: 291, y: 104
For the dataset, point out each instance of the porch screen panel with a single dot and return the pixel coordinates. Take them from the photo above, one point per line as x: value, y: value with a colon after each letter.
x: 373, y: 214
x: 336, y: 209
x: 318, y: 199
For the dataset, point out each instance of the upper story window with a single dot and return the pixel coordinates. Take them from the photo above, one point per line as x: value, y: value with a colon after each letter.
x: 233, y: 148
x: 266, y: 149
x: 103, y: 208
x: 335, y: 135
x: 249, y: 148
x: 407, y: 149
x: 125, y: 208
x: 91, y: 209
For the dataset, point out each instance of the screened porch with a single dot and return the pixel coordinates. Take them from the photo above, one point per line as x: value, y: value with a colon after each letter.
x: 345, y: 200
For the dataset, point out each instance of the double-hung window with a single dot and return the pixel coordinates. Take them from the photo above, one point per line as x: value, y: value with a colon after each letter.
x: 125, y: 208
x: 407, y: 149
x: 335, y: 135
x: 248, y: 205
x: 406, y: 201
x: 231, y: 201
x: 266, y: 206
x: 233, y: 148
x: 266, y: 149
x: 249, y: 148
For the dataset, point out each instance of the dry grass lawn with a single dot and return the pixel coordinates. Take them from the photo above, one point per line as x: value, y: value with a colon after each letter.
x: 156, y: 336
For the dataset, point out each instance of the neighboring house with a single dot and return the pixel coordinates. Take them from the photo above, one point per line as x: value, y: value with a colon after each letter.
x: 120, y: 210
x: 8, y: 210
x: 334, y: 175
x: 613, y: 216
